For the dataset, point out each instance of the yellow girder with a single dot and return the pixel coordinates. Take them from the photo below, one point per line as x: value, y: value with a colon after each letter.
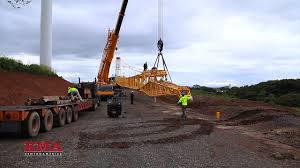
x: 149, y: 83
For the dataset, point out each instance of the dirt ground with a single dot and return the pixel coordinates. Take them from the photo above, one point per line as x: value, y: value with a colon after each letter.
x: 151, y: 135
x: 270, y: 123
x: 17, y: 87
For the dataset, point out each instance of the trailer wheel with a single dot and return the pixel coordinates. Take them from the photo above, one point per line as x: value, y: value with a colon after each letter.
x: 47, y: 121
x: 69, y: 115
x: 31, y: 126
x: 75, y: 115
x: 60, y: 119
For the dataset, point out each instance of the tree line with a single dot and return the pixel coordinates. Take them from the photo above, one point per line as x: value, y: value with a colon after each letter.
x: 283, y: 92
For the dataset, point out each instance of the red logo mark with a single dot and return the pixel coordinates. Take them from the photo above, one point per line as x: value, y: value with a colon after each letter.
x: 42, y: 148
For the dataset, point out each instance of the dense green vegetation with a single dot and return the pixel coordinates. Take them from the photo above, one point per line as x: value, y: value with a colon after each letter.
x: 283, y: 92
x: 11, y: 65
x: 207, y: 91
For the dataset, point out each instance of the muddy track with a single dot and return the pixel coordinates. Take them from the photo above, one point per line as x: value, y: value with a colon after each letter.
x: 250, y: 117
x: 163, y: 131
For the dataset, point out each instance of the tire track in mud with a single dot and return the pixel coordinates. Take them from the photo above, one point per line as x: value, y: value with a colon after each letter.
x: 149, y: 132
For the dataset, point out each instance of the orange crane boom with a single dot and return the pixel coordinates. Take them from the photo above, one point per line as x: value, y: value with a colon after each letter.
x: 103, y: 87
x: 109, y: 50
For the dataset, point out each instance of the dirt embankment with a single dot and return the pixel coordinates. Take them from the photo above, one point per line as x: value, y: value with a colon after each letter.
x: 17, y: 87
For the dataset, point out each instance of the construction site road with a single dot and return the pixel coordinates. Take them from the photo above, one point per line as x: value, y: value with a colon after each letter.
x: 149, y: 135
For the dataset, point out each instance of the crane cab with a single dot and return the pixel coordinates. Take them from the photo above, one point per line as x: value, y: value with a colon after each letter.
x: 104, y: 91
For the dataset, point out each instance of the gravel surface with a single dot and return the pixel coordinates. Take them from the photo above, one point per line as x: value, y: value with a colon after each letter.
x: 147, y: 137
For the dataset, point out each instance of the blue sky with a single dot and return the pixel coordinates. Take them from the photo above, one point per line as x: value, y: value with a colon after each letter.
x: 213, y: 43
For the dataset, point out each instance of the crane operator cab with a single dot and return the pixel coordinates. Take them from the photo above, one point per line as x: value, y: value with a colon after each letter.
x: 104, y: 91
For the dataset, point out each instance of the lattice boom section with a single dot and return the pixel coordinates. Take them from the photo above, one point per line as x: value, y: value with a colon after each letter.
x: 147, y: 82
x: 155, y: 88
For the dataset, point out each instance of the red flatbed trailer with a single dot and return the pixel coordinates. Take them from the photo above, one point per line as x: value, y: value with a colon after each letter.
x: 30, y: 120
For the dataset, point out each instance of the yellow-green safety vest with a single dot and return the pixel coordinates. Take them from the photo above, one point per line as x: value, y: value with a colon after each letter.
x: 72, y: 90
x: 184, y: 100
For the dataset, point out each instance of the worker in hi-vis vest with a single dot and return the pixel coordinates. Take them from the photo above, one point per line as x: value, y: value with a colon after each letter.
x: 73, y: 92
x: 183, y: 101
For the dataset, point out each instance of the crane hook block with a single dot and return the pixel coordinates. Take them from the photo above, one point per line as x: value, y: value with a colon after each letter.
x: 160, y: 45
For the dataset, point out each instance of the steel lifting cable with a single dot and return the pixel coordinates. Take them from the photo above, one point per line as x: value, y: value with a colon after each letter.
x: 125, y: 65
x: 160, y: 43
x: 160, y: 19
x: 131, y: 68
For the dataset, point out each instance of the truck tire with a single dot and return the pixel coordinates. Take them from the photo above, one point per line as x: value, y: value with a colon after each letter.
x: 112, y: 113
x: 69, y: 114
x: 31, y: 126
x: 47, y: 121
x: 60, y: 119
x: 75, y: 115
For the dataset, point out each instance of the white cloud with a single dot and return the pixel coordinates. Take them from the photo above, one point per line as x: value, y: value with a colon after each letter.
x: 26, y: 58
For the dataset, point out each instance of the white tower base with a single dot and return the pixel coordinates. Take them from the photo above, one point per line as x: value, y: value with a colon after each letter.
x: 46, y: 33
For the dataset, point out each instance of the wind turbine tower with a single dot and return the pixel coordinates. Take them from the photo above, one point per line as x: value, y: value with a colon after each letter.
x: 46, y: 33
